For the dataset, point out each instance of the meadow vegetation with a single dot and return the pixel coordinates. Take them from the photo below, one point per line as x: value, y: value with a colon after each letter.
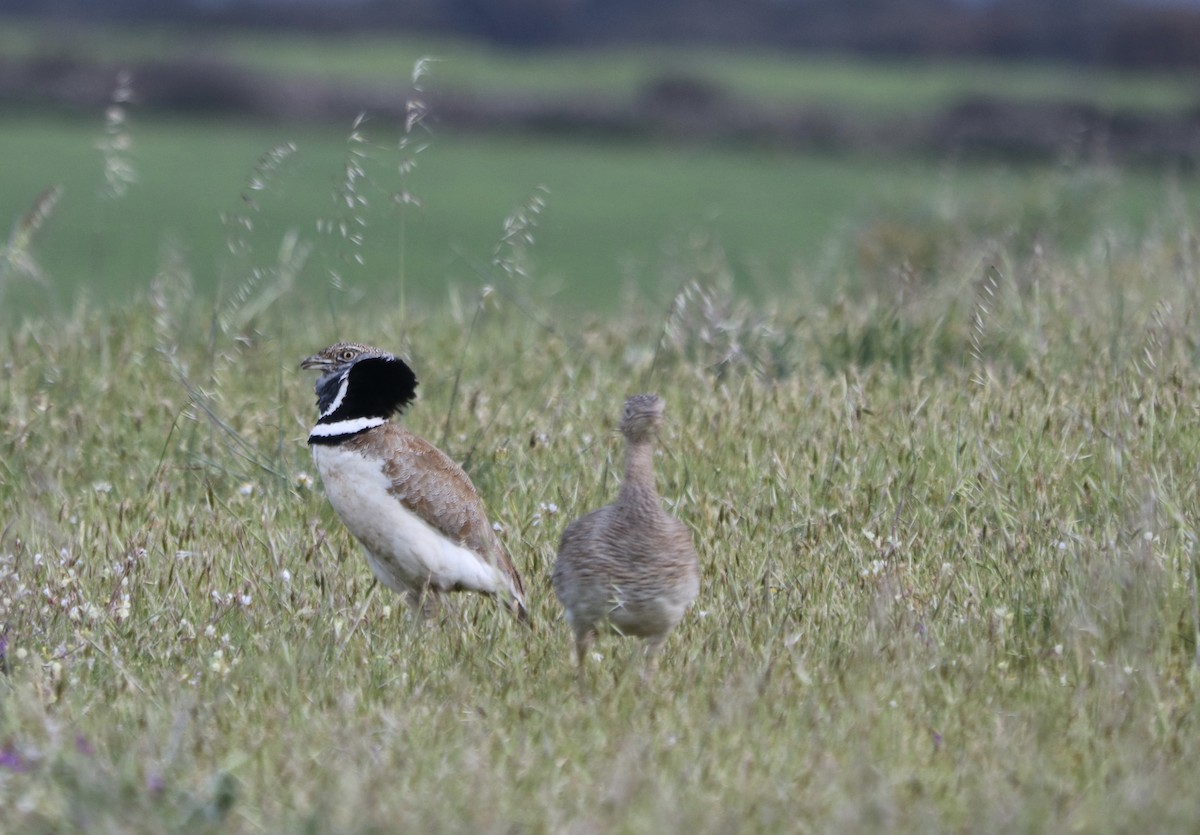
x: 946, y: 523
x: 943, y: 492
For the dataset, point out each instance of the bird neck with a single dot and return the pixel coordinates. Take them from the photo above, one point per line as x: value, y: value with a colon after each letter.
x: 638, y: 484
x: 339, y: 431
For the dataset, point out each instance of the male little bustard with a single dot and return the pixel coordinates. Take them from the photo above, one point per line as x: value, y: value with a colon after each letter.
x: 415, y: 512
x: 629, y: 565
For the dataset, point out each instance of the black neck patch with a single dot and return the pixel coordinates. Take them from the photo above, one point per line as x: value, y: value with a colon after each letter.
x: 373, y: 387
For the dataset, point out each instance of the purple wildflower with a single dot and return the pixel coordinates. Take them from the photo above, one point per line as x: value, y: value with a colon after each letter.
x: 155, y: 783
x: 10, y: 759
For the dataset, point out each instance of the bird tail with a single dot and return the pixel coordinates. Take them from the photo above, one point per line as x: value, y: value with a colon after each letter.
x: 517, y: 604
x: 514, y: 597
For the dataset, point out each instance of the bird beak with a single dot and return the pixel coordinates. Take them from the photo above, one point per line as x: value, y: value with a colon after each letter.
x: 315, y: 361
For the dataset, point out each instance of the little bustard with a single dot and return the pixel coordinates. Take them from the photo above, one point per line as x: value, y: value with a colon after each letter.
x: 415, y: 512
x: 630, y: 565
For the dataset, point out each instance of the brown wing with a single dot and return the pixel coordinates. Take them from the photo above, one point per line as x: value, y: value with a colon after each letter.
x: 436, y: 489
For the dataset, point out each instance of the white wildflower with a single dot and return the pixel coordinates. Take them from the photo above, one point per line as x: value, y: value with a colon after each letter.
x: 874, y: 569
x: 218, y: 664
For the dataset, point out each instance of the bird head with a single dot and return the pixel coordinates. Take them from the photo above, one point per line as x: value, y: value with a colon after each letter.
x: 383, y: 382
x: 339, y: 355
x: 642, y: 416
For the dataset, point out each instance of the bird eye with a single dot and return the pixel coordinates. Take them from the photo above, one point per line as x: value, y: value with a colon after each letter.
x: 346, y: 355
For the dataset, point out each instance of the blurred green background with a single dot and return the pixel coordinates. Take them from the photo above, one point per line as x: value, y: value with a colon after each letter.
x: 786, y: 170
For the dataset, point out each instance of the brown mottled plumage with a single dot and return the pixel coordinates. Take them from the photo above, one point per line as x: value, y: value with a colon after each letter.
x: 629, y: 565
x: 416, y: 513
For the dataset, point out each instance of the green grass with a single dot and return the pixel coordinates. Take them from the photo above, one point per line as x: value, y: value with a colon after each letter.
x: 947, y: 529
x: 934, y: 428
x: 883, y: 86
x: 617, y: 215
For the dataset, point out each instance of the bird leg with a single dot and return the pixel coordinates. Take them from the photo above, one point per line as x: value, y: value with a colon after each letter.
x: 425, y: 604
x: 653, y: 646
x: 583, y: 643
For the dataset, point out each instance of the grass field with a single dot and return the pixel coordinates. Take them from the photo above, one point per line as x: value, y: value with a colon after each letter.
x: 947, y: 534
x: 616, y: 215
x: 935, y: 429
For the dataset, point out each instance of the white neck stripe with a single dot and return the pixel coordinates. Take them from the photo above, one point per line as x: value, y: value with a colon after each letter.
x: 341, y: 395
x: 345, y: 427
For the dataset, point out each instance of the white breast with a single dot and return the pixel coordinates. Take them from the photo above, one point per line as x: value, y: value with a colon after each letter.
x: 405, y: 552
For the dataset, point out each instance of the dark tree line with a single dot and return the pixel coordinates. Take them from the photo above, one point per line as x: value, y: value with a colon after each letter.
x: 1091, y: 31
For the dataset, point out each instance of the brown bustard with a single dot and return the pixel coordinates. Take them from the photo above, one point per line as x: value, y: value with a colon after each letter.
x: 630, y: 566
x: 416, y: 514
